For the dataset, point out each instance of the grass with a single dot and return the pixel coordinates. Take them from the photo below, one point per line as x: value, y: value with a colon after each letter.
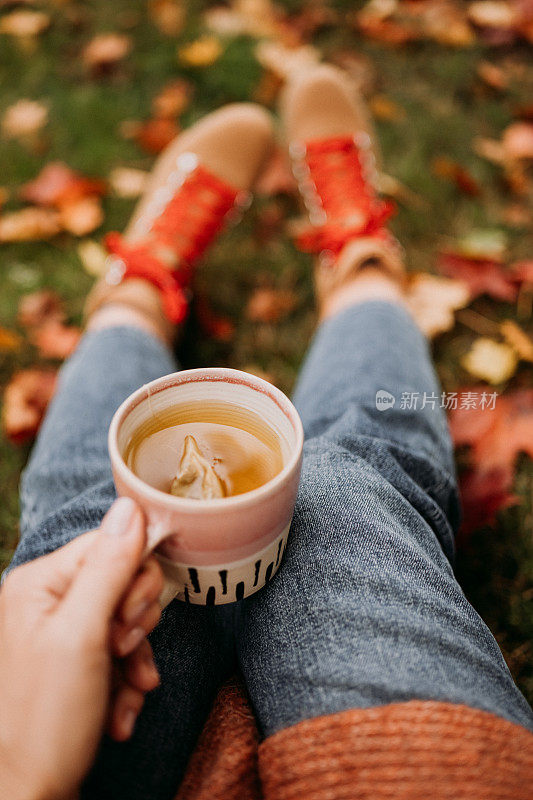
x: 445, y: 106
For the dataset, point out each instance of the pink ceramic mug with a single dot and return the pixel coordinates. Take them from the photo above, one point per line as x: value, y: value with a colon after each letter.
x: 224, y: 549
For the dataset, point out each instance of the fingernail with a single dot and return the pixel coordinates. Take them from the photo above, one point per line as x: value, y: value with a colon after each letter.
x: 127, y: 721
x: 131, y: 641
x: 136, y: 610
x: 150, y: 664
x: 119, y: 518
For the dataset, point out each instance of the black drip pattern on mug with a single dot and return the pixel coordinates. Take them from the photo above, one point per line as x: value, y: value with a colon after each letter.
x: 239, y: 591
x: 193, y: 575
x: 257, y: 568
x: 187, y: 600
x: 280, y: 545
x: 211, y: 594
x: 268, y: 573
x: 224, y: 580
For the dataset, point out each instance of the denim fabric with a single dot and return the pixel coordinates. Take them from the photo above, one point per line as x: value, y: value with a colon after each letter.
x: 365, y: 609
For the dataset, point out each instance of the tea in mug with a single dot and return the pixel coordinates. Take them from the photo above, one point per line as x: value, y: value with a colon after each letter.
x: 205, y: 451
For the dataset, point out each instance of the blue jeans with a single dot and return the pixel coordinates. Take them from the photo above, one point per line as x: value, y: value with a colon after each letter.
x: 365, y: 609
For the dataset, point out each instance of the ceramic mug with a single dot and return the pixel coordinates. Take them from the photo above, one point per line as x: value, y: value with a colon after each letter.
x: 221, y: 550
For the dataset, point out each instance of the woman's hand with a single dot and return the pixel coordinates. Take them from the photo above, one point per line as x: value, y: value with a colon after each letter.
x: 62, y: 618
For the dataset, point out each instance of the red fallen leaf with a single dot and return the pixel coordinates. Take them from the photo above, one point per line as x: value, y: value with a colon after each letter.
x: 57, y: 185
x: 277, y: 177
x: 483, y: 494
x: 220, y: 328
x: 270, y: 305
x: 495, y: 435
x: 54, y: 339
x: 270, y: 221
x: 482, y: 276
x: 450, y: 170
x: 38, y: 307
x: 155, y: 134
x: 26, y: 398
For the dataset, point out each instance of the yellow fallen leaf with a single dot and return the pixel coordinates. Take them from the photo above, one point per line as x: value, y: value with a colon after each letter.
x: 93, y: 257
x: 24, y: 118
x: 517, y: 339
x: 9, y: 341
x: 490, y: 360
x: 128, y: 182
x: 384, y: 108
x: 201, y: 53
x: 432, y: 301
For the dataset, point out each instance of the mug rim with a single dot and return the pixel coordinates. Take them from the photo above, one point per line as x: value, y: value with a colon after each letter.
x: 201, y: 375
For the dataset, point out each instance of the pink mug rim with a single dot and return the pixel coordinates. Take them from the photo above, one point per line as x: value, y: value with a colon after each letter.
x: 204, y: 374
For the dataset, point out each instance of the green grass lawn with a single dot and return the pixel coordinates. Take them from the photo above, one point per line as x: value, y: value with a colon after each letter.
x: 445, y: 106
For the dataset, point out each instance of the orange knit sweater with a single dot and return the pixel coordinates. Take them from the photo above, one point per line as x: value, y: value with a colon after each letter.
x: 418, y: 750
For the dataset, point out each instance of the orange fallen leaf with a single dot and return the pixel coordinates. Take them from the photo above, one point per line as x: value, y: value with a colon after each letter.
x: 433, y: 301
x: 172, y: 100
x: 447, y: 168
x: 24, y: 119
x: 128, y: 182
x: 385, y: 109
x: 518, y: 339
x: 10, y: 341
x: 517, y: 140
x: 493, y: 75
x: 490, y: 360
x: 24, y: 23
x: 214, y: 325
x: 29, y: 224
x: 167, y: 15
x: 270, y: 305
x: 203, y: 52
x: 492, y: 14
x: 155, y: 134
x: 54, y: 339
x: 58, y: 185
x: 26, y: 398
x: 82, y: 216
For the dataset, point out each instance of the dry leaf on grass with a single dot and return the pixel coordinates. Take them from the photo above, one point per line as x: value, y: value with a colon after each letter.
x: 128, y: 182
x: 25, y: 400
x: 483, y: 495
x: 493, y: 75
x: 104, y: 52
x: 433, y: 300
x: 490, y: 360
x: 29, y: 224
x: 448, y: 169
x: 270, y: 305
x: 203, y: 52
x: 518, y: 339
x: 167, y: 15
x: 24, y: 23
x: 517, y: 141
x: 83, y: 216
x: 54, y: 339
x: 153, y: 135
x: 383, y: 108
x: 172, y: 100
x: 39, y: 307
x: 10, y: 341
x: 58, y: 185
x: 481, y: 276
x: 24, y: 119
x: 93, y: 257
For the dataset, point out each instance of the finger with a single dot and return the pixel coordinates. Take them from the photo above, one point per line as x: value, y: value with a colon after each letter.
x: 139, y: 669
x: 146, y: 588
x: 123, y: 716
x: 108, y: 567
x: 124, y: 640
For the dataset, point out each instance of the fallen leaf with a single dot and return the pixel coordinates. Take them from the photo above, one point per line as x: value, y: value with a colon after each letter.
x: 483, y: 495
x: 433, y: 300
x: 105, y: 51
x: 24, y: 119
x: 39, y: 307
x: 493, y: 75
x: 483, y: 244
x: 385, y: 109
x: 10, y: 341
x: 29, y: 224
x: 24, y: 23
x: 203, y: 52
x: 155, y: 134
x: 492, y: 14
x: 490, y: 360
x: 517, y: 141
x: 128, y: 182
x: 522, y: 272
x: 481, y: 276
x: 4, y: 196
x: 172, y: 100
x: 82, y: 216
x: 167, y: 15
x: 214, y: 325
x: 518, y: 339
x: 26, y: 398
x: 447, y: 168
x: 270, y: 305
x: 58, y: 185
x: 54, y: 339
x: 93, y: 257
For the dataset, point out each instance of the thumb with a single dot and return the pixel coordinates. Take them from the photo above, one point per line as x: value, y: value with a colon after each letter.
x: 109, y: 566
